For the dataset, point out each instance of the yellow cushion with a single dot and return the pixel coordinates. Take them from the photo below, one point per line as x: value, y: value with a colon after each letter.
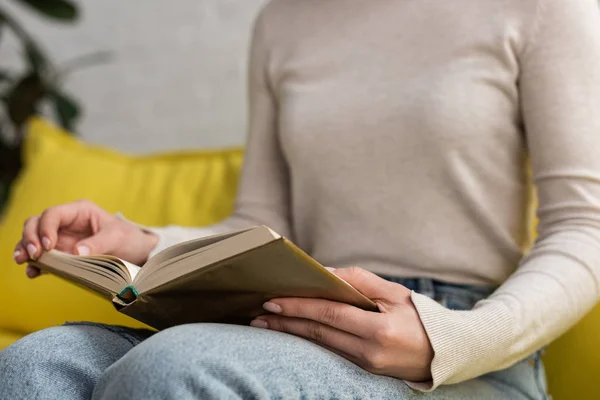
x: 573, y: 361
x: 6, y: 338
x: 188, y: 188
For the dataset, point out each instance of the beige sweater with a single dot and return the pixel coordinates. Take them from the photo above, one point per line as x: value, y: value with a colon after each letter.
x: 394, y: 136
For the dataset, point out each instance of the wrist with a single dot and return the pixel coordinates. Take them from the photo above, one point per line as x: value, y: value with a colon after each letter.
x: 150, y: 240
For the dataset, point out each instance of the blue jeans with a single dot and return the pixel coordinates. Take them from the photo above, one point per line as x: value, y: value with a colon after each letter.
x: 214, y: 361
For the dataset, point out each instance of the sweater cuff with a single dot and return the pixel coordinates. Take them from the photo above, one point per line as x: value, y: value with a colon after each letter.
x: 466, y: 344
x: 165, y: 239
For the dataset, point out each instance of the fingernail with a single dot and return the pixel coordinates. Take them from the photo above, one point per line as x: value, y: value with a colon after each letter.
x: 330, y: 269
x: 16, y: 254
x: 259, y: 323
x: 272, y: 307
x: 46, y: 243
x: 83, y: 251
x: 31, y: 250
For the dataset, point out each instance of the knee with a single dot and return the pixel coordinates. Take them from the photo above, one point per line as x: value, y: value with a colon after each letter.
x: 169, y: 357
x: 180, y: 362
x: 65, y: 359
x: 166, y: 353
x: 36, y: 350
x: 178, y: 350
x: 45, y: 354
x: 20, y: 364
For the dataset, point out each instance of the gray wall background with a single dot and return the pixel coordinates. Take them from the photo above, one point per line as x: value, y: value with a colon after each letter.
x: 177, y: 74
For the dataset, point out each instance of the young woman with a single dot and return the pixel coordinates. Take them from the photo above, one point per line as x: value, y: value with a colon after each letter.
x: 393, y: 136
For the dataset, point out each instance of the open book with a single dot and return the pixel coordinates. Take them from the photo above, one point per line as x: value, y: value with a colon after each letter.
x: 221, y: 278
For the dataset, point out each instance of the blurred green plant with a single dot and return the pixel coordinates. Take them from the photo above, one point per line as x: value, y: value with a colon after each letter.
x: 36, y: 85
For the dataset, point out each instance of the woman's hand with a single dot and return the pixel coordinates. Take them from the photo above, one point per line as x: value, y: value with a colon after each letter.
x: 82, y: 228
x: 392, y: 342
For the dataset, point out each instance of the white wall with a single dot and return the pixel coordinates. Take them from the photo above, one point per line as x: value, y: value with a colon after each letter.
x: 177, y: 78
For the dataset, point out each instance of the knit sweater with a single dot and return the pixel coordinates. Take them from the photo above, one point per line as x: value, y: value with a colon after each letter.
x: 395, y: 136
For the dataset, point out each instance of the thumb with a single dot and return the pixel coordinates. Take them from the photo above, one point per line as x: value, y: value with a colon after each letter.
x: 371, y: 285
x: 104, y: 242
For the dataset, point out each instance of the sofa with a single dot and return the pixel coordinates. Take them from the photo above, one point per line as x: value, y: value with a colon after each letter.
x: 192, y: 188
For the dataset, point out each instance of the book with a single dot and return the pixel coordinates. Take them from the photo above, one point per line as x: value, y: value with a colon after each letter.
x: 222, y: 278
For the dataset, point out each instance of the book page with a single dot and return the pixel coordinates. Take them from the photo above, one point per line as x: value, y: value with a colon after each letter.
x: 104, y: 274
x: 218, y: 249
x: 125, y: 267
x: 180, y: 249
x: 131, y: 268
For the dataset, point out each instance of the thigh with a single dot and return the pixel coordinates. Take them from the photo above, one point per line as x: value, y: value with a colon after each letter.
x: 213, y: 361
x: 527, y: 378
x: 64, y: 361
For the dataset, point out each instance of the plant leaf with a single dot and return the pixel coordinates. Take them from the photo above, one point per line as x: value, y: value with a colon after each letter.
x: 33, y: 53
x: 66, y: 109
x: 3, y: 195
x: 4, y: 75
x: 60, y: 10
x: 10, y: 164
x: 9, y: 157
x: 85, y: 61
x: 37, y: 60
x: 23, y: 98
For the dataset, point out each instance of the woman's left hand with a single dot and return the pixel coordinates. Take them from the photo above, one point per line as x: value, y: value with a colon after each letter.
x: 392, y: 342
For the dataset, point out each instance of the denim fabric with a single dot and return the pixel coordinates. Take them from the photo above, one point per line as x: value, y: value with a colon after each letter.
x: 527, y: 378
x: 214, y: 361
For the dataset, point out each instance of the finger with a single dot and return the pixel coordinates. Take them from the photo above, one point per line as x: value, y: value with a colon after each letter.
x: 104, y: 242
x: 344, y: 342
x: 20, y: 255
x: 337, y: 315
x: 53, y: 219
x: 32, y: 272
x: 371, y: 285
x: 31, y: 239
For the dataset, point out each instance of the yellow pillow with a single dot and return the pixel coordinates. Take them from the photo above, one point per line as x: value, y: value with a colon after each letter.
x: 188, y: 188
x: 6, y: 338
x: 573, y: 361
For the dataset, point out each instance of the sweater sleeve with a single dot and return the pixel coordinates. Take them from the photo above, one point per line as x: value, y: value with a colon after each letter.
x: 558, y: 282
x: 263, y: 193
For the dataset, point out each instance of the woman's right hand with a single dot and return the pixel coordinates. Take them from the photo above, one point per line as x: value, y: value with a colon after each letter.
x: 82, y: 228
